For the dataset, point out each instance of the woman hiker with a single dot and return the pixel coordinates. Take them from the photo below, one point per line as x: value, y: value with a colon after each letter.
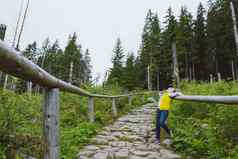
x: 163, y: 111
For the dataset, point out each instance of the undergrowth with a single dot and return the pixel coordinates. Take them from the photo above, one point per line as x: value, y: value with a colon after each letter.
x: 21, y: 118
x: 205, y: 130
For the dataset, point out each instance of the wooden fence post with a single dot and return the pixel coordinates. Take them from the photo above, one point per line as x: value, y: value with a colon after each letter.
x: 91, y: 110
x: 51, y: 124
x: 130, y: 100
x: 114, y: 107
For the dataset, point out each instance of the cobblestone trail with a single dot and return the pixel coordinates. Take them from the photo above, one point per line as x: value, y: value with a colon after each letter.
x: 130, y: 137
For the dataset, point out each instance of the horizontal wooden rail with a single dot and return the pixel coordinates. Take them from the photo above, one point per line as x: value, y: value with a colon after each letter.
x: 210, y: 99
x: 14, y: 63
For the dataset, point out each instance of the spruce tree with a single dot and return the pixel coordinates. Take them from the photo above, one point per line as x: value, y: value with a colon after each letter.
x: 129, y: 73
x: 200, y: 54
x: 184, y: 39
x: 116, y: 72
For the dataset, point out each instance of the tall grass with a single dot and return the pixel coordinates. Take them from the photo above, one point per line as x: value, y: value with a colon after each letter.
x: 202, y: 130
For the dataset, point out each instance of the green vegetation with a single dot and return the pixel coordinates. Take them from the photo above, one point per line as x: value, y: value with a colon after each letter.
x: 21, y: 120
x: 205, y: 130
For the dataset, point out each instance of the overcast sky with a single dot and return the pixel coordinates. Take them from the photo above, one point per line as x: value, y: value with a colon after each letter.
x: 98, y: 23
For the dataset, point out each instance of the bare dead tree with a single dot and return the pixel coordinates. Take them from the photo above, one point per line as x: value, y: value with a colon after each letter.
x: 23, y: 24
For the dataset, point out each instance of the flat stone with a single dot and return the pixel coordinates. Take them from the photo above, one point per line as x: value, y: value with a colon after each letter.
x: 99, y: 141
x: 130, y: 137
x: 169, y: 154
x: 167, y: 142
x: 121, y: 154
x: 83, y: 157
x: 136, y: 157
x: 101, y: 155
x: 118, y: 144
x: 91, y: 148
x: 141, y: 153
x: 154, y: 155
x: 86, y: 153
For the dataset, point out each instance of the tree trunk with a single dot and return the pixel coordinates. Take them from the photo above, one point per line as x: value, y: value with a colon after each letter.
x: 194, y: 75
x: 71, y: 72
x: 5, y: 81
x: 23, y: 23
x: 158, y: 81
x: 211, y: 78
x: 186, y: 67
x: 233, y: 70
x: 148, y: 78
x: 175, y: 66
x: 219, y: 76
x: 29, y: 87
x: 3, y: 29
x: 234, y: 25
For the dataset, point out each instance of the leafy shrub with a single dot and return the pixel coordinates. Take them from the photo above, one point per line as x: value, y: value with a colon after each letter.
x: 22, y: 114
x: 205, y: 130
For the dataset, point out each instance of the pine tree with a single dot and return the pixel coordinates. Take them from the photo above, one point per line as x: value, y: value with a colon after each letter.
x: 73, y: 71
x: 116, y: 72
x: 221, y: 39
x: 200, y: 54
x: 184, y: 39
x: 168, y: 37
x: 129, y: 73
x: 88, y: 67
x: 150, y: 49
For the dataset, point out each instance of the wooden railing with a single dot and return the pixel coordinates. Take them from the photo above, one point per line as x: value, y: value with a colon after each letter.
x: 210, y: 99
x: 14, y: 63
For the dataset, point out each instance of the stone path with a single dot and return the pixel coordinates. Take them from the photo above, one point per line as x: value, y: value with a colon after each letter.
x: 130, y: 137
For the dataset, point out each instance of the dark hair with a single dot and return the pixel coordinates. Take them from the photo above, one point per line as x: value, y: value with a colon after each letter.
x: 170, y: 85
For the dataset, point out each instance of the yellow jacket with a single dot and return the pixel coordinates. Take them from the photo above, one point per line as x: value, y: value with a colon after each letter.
x: 165, y: 101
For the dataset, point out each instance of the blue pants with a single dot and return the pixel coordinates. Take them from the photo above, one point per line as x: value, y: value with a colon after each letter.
x: 161, y: 118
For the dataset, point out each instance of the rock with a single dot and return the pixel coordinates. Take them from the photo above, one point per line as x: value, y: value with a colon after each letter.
x: 101, y: 155
x: 121, y: 154
x: 119, y: 144
x: 83, y: 157
x: 154, y: 155
x: 99, y: 141
x: 167, y: 154
x: 129, y: 138
x: 136, y: 157
x: 140, y: 153
x: 91, y: 148
x: 85, y: 153
x: 167, y: 142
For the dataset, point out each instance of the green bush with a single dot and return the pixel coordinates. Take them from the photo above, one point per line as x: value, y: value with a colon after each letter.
x: 21, y: 115
x: 205, y: 130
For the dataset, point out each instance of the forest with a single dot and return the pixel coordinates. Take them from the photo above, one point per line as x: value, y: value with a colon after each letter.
x: 207, y: 56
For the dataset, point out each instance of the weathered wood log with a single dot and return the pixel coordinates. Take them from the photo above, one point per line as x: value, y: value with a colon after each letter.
x: 14, y: 63
x: 91, y: 113
x: 210, y: 99
x: 51, y: 124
